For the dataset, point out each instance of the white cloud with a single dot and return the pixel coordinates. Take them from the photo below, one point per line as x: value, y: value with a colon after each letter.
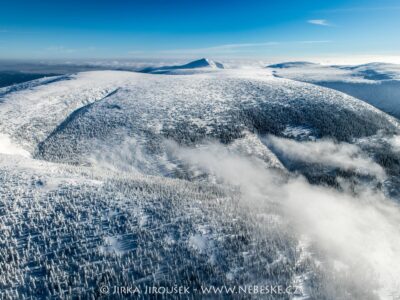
x: 358, y: 9
x: 320, y: 22
x: 359, y: 232
x: 314, y: 42
x: 325, y: 152
x: 8, y: 147
x: 395, y: 143
x: 226, y: 49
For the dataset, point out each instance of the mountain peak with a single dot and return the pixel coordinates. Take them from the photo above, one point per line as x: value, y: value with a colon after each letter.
x: 196, y: 64
x: 203, y: 63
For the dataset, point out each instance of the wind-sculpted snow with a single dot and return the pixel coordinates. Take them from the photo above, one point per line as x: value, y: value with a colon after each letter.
x: 231, y: 177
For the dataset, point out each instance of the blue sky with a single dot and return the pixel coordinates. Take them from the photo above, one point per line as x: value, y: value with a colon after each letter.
x: 190, y: 28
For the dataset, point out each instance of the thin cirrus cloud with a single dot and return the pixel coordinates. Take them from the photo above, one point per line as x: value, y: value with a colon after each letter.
x: 63, y: 49
x: 228, y: 48
x: 60, y: 49
x: 232, y: 48
x: 319, y: 22
x: 359, y: 9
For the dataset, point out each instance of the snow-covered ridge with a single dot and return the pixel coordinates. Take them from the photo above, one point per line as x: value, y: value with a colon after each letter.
x: 32, y: 115
x: 309, y: 72
x: 374, y: 83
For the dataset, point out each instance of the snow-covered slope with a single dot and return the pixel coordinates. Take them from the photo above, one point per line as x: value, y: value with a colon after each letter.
x: 219, y: 105
x: 374, y: 83
x: 31, y: 111
x: 230, y: 177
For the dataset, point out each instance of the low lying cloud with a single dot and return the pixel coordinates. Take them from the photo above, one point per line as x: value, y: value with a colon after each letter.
x: 8, y: 147
x: 360, y: 232
x: 395, y: 143
x: 128, y: 155
x: 344, y: 156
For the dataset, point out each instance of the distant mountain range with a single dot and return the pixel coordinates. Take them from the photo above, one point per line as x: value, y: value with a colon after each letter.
x: 375, y: 83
